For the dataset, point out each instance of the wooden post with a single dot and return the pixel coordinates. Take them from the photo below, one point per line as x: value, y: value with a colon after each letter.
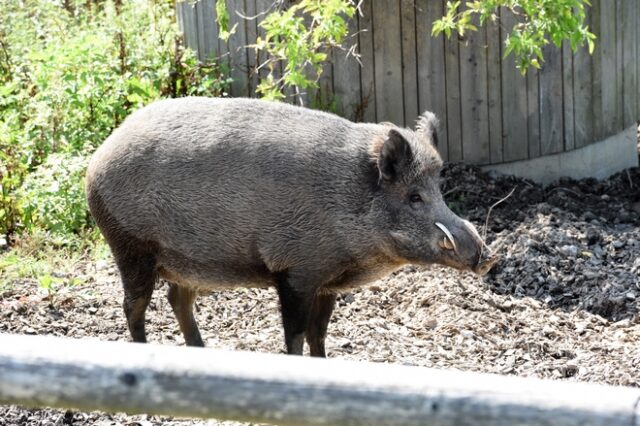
x: 41, y: 371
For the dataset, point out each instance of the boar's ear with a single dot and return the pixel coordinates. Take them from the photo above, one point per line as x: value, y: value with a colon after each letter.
x: 427, y: 127
x: 395, y: 156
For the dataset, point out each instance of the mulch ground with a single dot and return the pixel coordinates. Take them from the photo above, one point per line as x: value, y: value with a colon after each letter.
x: 563, y: 303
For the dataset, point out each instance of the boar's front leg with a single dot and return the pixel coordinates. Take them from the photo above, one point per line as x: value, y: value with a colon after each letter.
x: 321, y: 311
x: 296, y: 295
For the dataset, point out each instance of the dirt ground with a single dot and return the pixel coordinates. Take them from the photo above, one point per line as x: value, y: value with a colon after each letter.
x: 563, y: 303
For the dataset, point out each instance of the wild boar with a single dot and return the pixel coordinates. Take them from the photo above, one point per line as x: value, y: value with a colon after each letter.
x: 222, y: 193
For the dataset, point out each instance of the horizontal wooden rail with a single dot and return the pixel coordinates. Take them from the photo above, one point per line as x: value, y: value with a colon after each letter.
x: 41, y: 371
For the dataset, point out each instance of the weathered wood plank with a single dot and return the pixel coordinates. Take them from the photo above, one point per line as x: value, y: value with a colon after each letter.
x: 346, y: 77
x: 180, y: 16
x: 583, y: 92
x: 494, y: 89
x: 251, y: 30
x: 207, y: 29
x: 629, y: 53
x: 237, y: 50
x: 567, y: 95
x: 190, y: 27
x: 366, y: 32
x: 584, y: 125
x: 618, y: 24
x: 515, y: 142
x: 207, y: 383
x: 388, y: 61
x: 322, y: 97
x: 200, y: 25
x: 409, y: 61
x: 473, y: 85
x: 432, y: 95
x: 262, y: 6
x: 595, y: 79
x: 610, y: 105
x: 454, y: 101
x: 638, y: 61
x: 551, y: 102
x: 533, y: 112
x: 586, y: 76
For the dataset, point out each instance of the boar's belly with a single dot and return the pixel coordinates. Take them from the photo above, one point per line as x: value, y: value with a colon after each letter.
x: 362, y: 275
x: 214, y: 279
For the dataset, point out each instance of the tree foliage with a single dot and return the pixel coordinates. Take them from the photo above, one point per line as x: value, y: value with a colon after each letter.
x: 71, y: 71
x: 301, y: 37
x: 539, y: 22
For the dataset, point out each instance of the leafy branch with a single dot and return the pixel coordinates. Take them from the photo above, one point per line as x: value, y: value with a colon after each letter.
x: 539, y: 22
x: 297, y: 40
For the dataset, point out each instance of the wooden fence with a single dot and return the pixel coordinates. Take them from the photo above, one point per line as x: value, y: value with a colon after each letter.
x: 39, y: 371
x: 489, y: 113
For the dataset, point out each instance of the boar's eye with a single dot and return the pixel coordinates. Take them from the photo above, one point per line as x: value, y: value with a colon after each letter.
x: 415, y: 198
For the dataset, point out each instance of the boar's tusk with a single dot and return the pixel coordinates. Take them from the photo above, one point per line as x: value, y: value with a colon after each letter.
x: 448, y: 234
x: 474, y: 231
x: 446, y: 244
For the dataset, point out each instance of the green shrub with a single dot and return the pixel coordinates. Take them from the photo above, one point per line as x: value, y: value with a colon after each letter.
x: 52, y: 196
x: 70, y: 72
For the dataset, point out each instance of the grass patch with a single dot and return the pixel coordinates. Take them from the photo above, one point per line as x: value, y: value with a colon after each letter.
x: 50, y: 261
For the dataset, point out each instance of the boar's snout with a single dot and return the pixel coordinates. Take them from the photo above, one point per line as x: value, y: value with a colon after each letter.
x: 463, y: 248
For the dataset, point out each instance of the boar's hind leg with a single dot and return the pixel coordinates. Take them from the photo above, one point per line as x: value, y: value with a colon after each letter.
x: 138, y: 279
x: 181, y: 300
x: 321, y: 311
x: 296, y: 299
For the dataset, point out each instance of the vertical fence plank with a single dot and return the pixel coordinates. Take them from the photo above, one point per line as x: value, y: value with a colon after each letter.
x: 637, y: 25
x: 200, y: 25
x: 366, y: 32
x: 473, y: 85
x: 346, y: 77
x: 595, y: 81
x: 251, y: 30
x: 551, y: 108
x: 180, y: 16
x: 629, y: 52
x: 207, y: 29
x: 190, y: 28
x: 533, y: 112
x: 262, y: 6
x: 237, y: 50
x: 224, y: 57
x: 609, y: 67
x: 388, y: 61
x: 618, y: 25
x: 584, y: 125
x: 583, y: 90
x: 494, y: 89
x: 454, y: 112
x: 567, y: 95
x: 432, y: 95
x: 323, y: 97
x: 409, y: 61
x: 515, y: 140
